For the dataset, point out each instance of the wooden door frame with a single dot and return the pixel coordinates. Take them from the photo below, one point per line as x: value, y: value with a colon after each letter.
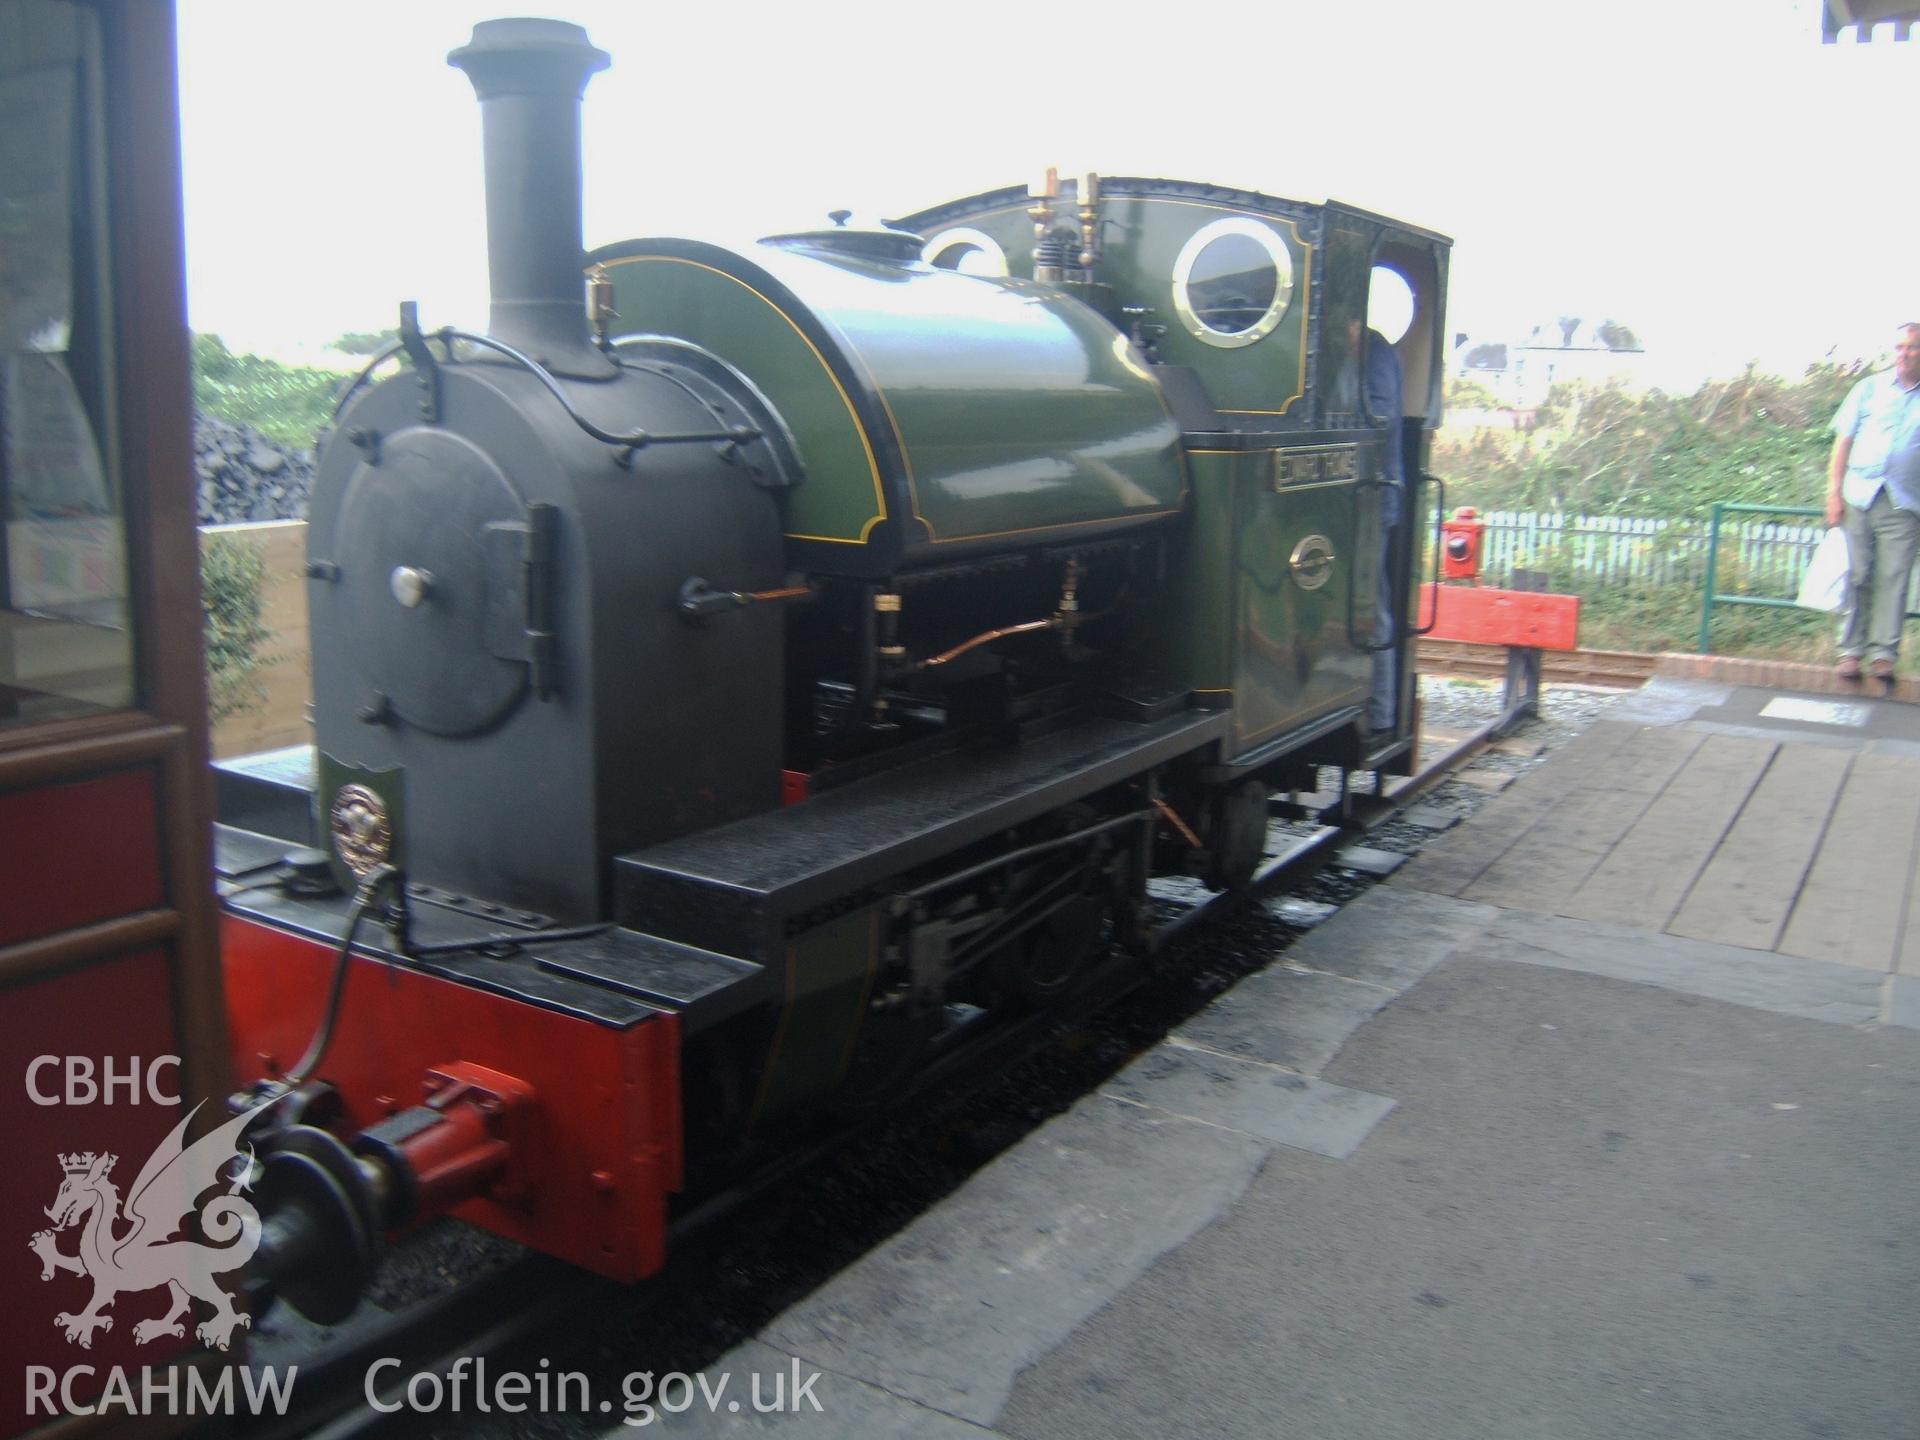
x: 167, y: 728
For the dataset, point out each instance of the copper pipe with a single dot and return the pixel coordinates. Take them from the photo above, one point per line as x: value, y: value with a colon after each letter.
x: 1172, y: 817
x: 1068, y: 620
x: 788, y: 592
x: 977, y: 641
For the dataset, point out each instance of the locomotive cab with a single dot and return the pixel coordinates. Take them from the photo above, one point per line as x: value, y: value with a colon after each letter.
x: 1256, y: 316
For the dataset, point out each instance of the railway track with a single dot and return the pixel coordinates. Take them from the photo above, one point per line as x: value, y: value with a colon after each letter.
x: 1609, y: 669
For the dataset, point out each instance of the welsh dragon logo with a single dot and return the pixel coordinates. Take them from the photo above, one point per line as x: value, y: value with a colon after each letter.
x: 135, y: 1247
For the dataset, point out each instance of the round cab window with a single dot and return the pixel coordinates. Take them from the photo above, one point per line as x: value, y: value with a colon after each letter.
x: 1390, y: 304
x: 1233, y: 282
x: 967, y: 251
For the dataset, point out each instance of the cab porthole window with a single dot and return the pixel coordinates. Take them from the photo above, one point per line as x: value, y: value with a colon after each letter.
x: 970, y: 252
x: 1391, y: 304
x: 1232, y: 282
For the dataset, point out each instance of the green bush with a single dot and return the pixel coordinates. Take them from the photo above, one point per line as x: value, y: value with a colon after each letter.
x: 231, y: 577
x: 1602, y: 450
x: 285, y: 403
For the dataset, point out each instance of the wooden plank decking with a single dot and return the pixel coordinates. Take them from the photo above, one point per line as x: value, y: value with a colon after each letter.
x: 1778, y: 845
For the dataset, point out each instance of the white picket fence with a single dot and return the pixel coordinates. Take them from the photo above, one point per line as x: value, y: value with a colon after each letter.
x: 1762, y: 557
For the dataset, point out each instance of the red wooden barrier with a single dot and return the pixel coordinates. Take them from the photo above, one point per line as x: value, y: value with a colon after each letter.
x: 1484, y: 616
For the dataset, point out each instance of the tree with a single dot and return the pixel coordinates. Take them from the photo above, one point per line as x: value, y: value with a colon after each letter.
x: 1610, y: 451
x: 1469, y: 394
x: 287, y: 403
x: 1617, y: 337
x: 364, y: 342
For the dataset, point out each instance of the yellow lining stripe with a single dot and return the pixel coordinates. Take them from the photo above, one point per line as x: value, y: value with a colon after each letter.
x: 866, y: 443
x: 1261, y: 450
x: 1130, y: 517
x: 1312, y: 485
x: 906, y: 460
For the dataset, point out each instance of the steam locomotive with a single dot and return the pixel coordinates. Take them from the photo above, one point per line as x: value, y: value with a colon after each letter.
x: 748, y: 678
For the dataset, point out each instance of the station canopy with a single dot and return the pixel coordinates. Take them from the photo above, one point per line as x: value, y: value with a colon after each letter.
x: 1861, y: 16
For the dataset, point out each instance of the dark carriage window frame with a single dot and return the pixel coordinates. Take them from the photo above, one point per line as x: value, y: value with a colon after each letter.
x: 67, y: 641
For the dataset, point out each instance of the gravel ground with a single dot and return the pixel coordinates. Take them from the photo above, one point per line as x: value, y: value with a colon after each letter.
x: 730, y: 1282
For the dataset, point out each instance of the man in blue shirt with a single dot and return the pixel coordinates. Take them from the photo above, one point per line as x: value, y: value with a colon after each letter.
x: 1873, y: 488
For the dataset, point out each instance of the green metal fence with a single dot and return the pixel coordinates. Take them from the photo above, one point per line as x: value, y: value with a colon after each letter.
x: 1711, y: 597
x: 1713, y: 576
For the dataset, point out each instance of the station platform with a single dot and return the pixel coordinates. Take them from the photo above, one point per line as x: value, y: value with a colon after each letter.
x: 1600, y: 1119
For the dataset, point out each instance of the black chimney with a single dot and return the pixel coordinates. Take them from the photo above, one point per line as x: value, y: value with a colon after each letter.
x: 530, y: 75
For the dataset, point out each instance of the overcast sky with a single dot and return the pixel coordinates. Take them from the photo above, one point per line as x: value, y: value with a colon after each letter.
x: 1705, y: 171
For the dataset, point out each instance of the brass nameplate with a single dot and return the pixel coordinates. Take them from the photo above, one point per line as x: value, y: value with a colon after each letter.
x: 1315, y: 464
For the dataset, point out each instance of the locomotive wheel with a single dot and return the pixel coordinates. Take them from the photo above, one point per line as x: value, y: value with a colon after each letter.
x: 1239, y: 836
x: 1043, y: 964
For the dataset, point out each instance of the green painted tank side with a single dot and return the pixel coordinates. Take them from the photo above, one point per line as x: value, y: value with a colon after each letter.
x: 1297, y: 658
x: 1188, y: 634
x: 1142, y: 237
x: 1018, y: 410
x: 972, y: 413
x: 675, y: 295
x: 1237, y: 625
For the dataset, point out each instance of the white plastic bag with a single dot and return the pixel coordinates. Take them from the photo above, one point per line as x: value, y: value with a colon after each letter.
x: 1824, y: 586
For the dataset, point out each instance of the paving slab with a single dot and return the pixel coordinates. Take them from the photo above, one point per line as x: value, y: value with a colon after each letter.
x: 1391, y: 937
x: 1647, y: 875
x: 1369, y: 859
x: 758, y: 1390
x: 1783, y: 984
x: 1292, y: 1018
x: 1432, y: 817
x: 1830, y: 739
x: 1490, y: 780
x: 1504, y: 822
x: 1256, y: 1099
x: 1907, y: 956
x: 1902, y: 1001
x: 1521, y: 745
x: 1855, y: 718
x: 1553, y: 859
x: 1746, y: 891
x: 1302, y: 914
x: 949, y: 1311
x: 1853, y: 907
x: 1590, y: 1217
x: 1669, y: 700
